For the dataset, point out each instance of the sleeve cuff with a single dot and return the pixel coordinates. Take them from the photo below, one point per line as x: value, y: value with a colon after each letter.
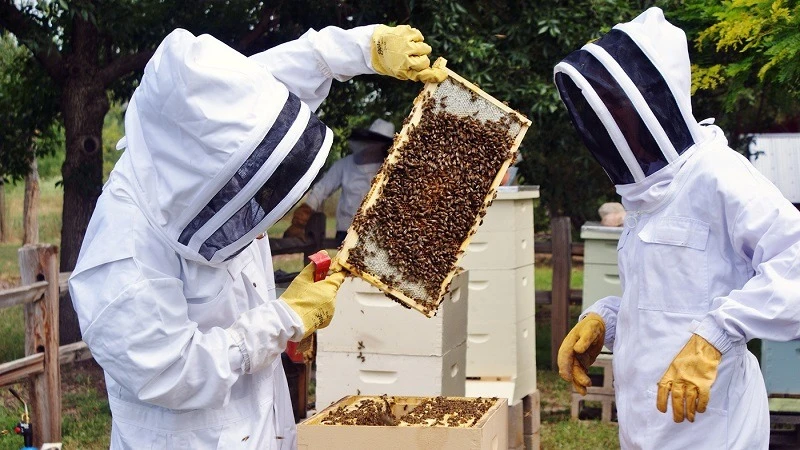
x: 297, y: 326
x: 608, y: 320
x: 238, y: 357
x: 716, y: 336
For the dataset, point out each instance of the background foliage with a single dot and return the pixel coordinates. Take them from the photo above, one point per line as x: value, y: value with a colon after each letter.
x: 745, y: 55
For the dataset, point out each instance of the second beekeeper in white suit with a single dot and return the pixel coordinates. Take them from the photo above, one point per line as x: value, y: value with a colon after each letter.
x: 174, y: 292
x: 708, y: 258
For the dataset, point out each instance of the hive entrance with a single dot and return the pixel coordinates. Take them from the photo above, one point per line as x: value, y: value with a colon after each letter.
x: 431, y: 192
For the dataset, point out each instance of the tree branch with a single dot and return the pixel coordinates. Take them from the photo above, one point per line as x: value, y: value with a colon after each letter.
x: 124, y: 65
x: 34, y: 37
x: 260, y: 29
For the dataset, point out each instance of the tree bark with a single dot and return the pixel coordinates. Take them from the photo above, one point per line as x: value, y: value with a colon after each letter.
x: 30, y: 214
x: 3, y: 215
x: 84, y: 106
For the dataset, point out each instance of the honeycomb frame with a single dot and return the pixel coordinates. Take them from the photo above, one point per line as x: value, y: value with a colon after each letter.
x: 495, y: 109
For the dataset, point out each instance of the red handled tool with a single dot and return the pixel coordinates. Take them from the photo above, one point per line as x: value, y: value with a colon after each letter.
x: 322, y: 263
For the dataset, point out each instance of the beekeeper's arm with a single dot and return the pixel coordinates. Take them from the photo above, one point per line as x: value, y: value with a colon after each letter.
x: 327, y: 185
x: 583, y: 343
x: 143, y: 338
x: 765, y: 230
x: 607, y: 308
x: 134, y: 318
x: 309, y: 64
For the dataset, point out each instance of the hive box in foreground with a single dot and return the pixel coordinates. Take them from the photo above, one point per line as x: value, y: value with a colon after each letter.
x: 488, y: 432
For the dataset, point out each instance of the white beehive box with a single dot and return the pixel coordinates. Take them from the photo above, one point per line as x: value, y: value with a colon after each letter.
x: 513, y: 388
x: 500, y: 249
x: 777, y: 156
x: 501, y: 295
x: 601, y: 272
x: 501, y: 344
x: 511, y: 210
x: 366, y: 320
x: 489, y: 433
x: 355, y: 373
x: 495, y: 349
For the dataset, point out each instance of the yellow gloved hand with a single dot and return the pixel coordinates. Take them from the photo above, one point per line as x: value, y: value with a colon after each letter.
x: 689, y: 377
x: 579, y: 350
x: 399, y: 52
x: 313, y: 301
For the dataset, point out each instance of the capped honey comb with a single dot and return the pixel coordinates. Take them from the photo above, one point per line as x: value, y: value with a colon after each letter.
x: 432, y: 191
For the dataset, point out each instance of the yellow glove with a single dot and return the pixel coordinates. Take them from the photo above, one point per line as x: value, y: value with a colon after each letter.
x: 689, y: 377
x: 579, y: 350
x: 399, y: 52
x: 313, y: 301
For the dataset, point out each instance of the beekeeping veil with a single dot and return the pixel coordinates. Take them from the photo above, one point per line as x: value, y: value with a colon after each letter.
x: 628, y: 96
x: 217, y: 149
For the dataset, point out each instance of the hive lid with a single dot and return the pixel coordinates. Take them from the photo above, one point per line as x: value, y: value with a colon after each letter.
x: 429, y: 196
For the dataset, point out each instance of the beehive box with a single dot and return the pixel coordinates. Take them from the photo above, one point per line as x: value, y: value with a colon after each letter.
x: 361, y: 373
x: 432, y: 191
x: 366, y: 320
x: 407, y: 423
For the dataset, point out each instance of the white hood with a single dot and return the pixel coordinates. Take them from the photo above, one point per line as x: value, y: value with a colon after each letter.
x: 628, y: 95
x: 217, y: 149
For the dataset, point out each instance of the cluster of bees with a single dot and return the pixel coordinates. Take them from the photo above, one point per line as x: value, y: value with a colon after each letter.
x: 450, y: 412
x: 434, y: 194
x: 438, y: 411
x: 369, y: 412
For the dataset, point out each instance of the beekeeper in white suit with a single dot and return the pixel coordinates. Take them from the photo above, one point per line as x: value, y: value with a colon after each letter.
x: 175, y: 295
x: 708, y: 258
x: 352, y: 174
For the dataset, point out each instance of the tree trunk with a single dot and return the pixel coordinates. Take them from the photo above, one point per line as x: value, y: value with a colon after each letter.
x: 84, y: 106
x: 30, y: 215
x: 3, y: 215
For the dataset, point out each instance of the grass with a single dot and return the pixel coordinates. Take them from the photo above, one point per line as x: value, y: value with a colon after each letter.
x: 86, y: 416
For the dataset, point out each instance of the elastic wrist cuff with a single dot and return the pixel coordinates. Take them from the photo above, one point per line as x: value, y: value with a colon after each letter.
x: 716, y: 336
x: 239, y: 341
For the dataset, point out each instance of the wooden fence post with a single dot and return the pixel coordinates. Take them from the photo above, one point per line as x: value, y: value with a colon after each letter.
x: 40, y: 263
x: 562, y: 270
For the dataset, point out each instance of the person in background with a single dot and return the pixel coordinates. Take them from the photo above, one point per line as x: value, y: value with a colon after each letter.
x: 353, y: 174
x: 173, y: 289
x: 709, y: 257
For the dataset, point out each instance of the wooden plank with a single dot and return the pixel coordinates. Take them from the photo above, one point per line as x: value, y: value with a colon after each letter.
x: 77, y: 351
x: 14, y: 371
x: 541, y: 247
x: 546, y: 297
x: 37, y: 263
x: 784, y: 405
x: 63, y: 281
x: 22, y: 294
x: 562, y: 270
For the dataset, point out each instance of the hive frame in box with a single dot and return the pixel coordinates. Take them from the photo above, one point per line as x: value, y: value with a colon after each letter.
x: 489, y: 432
x: 381, y: 179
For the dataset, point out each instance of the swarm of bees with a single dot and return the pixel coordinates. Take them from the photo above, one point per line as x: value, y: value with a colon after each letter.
x: 437, y: 411
x: 431, y: 194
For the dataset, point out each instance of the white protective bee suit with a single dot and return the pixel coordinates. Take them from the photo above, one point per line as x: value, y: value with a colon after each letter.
x: 354, y: 173
x: 219, y: 146
x: 709, y: 246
